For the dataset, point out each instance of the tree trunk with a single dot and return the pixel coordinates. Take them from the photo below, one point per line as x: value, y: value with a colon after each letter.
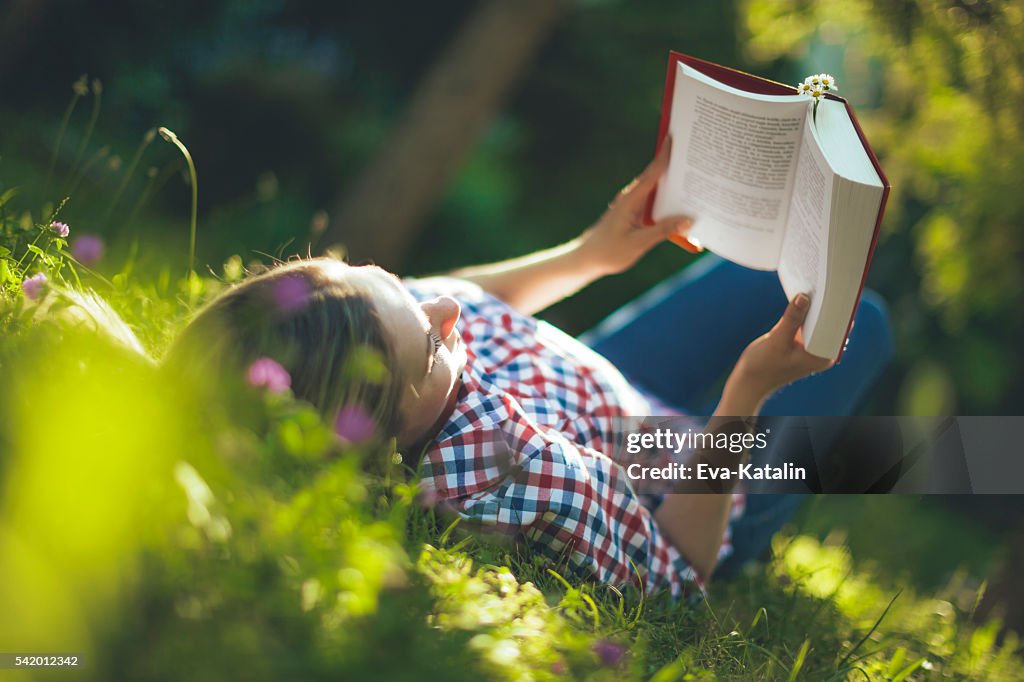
x: 380, y: 213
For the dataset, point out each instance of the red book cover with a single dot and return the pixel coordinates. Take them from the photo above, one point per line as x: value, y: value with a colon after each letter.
x: 750, y: 83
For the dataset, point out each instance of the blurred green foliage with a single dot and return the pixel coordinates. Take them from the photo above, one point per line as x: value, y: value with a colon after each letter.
x: 283, y: 104
x: 160, y: 537
x: 166, y: 539
x: 938, y: 86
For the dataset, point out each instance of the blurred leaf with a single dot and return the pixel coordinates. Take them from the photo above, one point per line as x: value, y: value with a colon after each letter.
x: 927, y: 390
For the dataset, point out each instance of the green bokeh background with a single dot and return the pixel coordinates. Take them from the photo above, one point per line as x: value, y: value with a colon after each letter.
x: 283, y: 104
x: 167, y: 547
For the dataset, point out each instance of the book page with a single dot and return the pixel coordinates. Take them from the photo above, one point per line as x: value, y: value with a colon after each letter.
x: 804, y: 260
x: 732, y: 166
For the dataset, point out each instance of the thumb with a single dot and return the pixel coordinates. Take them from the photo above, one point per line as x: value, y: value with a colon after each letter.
x: 796, y: 313
x: 650, y: 175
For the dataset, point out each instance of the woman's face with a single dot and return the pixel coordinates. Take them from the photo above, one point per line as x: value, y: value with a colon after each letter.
x: 429, y: 353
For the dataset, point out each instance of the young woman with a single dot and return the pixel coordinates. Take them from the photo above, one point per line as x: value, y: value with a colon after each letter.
x: 512, y: 423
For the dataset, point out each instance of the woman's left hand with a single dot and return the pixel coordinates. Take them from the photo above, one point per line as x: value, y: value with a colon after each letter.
x: 619, y: 238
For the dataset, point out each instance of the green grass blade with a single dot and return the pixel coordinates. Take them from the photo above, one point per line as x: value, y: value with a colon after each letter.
x: 798, y: 664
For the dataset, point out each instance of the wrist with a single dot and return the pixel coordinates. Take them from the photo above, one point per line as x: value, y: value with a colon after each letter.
x: 586, y: 258
x: 742, y: 396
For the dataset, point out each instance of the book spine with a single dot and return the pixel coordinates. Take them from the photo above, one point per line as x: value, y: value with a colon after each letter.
x: 666, y: 114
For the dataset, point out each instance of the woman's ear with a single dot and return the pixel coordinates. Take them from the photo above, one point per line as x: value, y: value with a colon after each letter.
x: 448, y: 326
x: 443, y: 311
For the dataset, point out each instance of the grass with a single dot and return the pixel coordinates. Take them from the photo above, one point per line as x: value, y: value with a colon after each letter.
x: 166, y: 539
x: 810, y: 613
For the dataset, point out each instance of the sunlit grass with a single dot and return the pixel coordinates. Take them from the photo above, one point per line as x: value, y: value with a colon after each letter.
x: 134, y: 532
x: 163, y: 538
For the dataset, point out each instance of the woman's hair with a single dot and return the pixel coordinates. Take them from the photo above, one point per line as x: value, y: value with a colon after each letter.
x: 324, y: 331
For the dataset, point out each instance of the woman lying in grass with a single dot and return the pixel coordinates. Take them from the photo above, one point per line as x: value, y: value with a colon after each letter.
x: 511, y: 422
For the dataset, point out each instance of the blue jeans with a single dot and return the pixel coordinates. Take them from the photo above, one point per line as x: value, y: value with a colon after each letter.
x: 679, y: 341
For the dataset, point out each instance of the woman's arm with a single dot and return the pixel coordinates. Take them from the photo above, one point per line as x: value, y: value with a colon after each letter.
x: 695, y: 522
x: 616, y: 241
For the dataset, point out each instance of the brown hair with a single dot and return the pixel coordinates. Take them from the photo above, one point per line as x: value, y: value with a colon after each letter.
x: 323, y: 330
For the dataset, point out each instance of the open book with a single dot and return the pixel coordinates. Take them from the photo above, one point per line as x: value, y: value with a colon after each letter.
x: 773, y: 188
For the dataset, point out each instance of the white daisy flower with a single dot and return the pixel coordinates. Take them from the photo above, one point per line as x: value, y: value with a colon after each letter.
x: 816, y: 86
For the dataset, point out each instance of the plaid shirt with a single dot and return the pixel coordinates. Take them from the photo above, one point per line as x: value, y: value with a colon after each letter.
x: 533, y: 447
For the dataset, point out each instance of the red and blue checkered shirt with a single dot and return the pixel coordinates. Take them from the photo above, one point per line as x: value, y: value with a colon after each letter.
x: 533, y: 446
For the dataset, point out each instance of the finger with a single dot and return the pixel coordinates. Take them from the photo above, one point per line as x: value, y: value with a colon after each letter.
x: 813, y: 364
x: 673, y: 226
x: 791, y: 320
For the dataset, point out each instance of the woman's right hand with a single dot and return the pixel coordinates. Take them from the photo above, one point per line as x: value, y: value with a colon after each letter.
x: 776, y: 358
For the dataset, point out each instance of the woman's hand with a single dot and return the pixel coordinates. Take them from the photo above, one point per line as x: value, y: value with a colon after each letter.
x: 532, y: 282
x: 619, y: 238
x: 774, y: 360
